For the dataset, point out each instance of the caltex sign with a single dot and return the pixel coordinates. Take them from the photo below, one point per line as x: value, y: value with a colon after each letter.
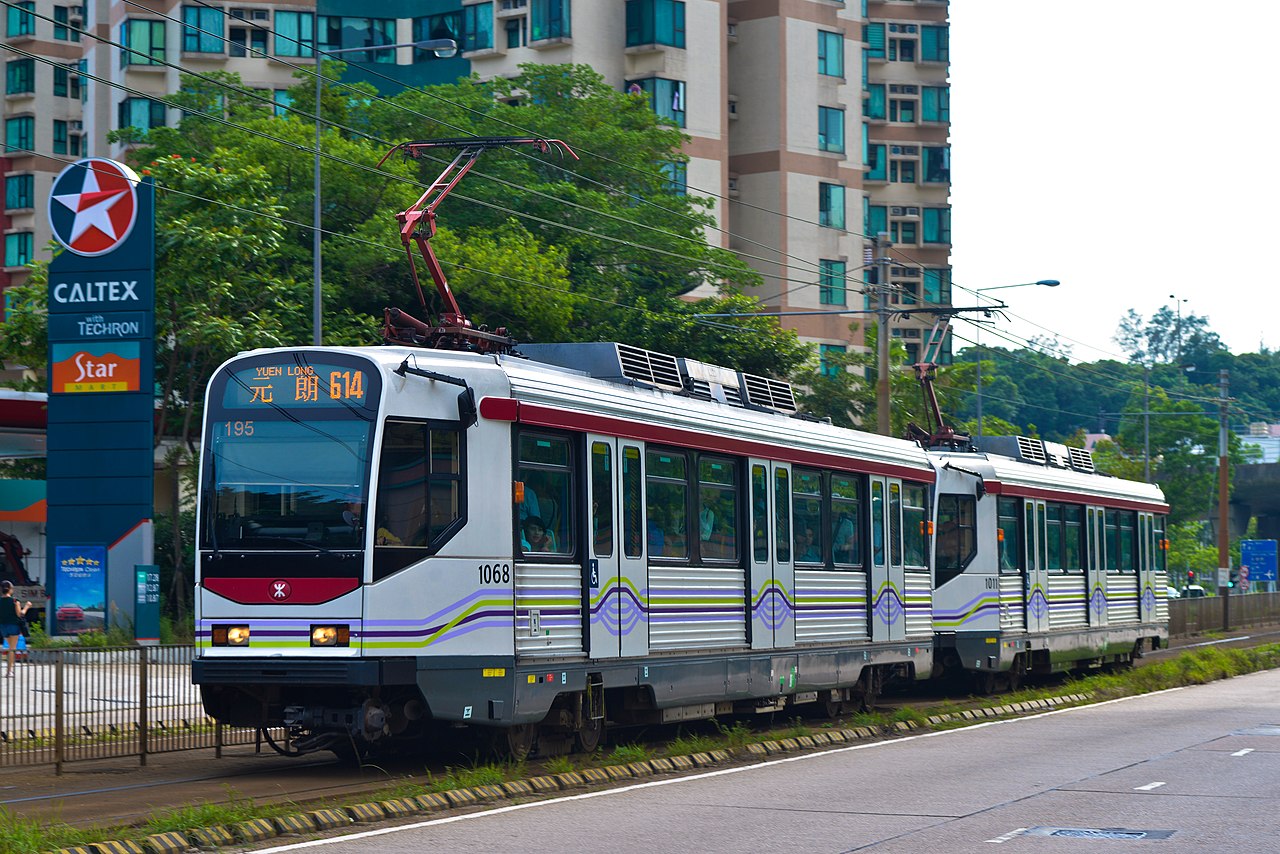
x: 93, y: 206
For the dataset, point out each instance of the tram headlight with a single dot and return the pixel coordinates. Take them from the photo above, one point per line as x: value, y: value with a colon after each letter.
x: 230, y: 635
x: 330, y: 635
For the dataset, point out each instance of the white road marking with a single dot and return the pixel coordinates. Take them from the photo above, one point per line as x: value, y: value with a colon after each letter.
x: 1149, y: 787
x: 1010, y: 835
x: 1247, y: 750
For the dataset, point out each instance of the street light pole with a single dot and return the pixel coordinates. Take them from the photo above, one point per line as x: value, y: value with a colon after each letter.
x: 882, y: 334
x: 442, y: 48
x: 1177, y: 303
x: 977, y: 333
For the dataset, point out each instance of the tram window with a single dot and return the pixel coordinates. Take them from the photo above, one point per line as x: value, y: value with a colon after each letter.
x: 1072, y: 538
x: 895, y: 524
x: 717, y: 509
x: 877, y: 523
x: 546, y: 517
x: 914, y: 525
x: 632, y: 521
x: 1160, y: 547
x: 1009, y: 535
x: 846, y: 544
x: 781, y: 503
x: 807, y: 509
x: 667, y: 503
x: 419, y: 500
x: 1120, y: 526
x: 956, y: 541
x: 759, y: 513
x: 602, y: 498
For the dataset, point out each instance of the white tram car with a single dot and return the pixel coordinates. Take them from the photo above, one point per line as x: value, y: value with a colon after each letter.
x: 392, y: 537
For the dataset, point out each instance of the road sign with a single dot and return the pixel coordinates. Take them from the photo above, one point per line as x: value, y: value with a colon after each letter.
x: 1224, y: 576
x: 1260, y: 558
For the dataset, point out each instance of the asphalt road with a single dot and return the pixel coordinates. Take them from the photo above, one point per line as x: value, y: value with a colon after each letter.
x: 1193, y: 770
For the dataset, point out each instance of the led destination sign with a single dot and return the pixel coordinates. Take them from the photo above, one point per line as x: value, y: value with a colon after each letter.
x: 295, y: 386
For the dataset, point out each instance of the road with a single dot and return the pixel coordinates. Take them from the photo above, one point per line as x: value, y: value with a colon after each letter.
x: 1195, y: 767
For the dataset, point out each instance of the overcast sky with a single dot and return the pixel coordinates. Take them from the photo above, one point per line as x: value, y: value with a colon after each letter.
x: 1122, y: 147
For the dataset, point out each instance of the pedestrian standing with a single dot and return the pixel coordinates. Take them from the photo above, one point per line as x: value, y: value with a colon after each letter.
x: 12, y: 615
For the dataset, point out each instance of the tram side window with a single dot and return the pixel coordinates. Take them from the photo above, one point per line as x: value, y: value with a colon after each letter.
x: 846, y: 544
x: 877, y: 523
x: 1009, y: 535
x: 632, y: 518
x: 546, y: 517
x: 419, y: 485
x: 895, y: 524
x: 914, y: 525
x: 1053, y: 538
x: 807, y: 512
x: 956, y: 541
x: 759, y: 513
x: 1065, y: 538
x: 602, y: 498
x: 717, y: 509
x: 667, y: 503
x: 1160, y: 546
x: 1120, y: 528
x: 781, y: 503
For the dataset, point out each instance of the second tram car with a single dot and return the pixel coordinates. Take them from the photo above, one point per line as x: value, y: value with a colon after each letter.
x: 391, y: 537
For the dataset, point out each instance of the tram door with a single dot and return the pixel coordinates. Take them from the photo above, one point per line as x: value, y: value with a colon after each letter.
x: 1097, y: 573
x: 888, y: 579
x: 1036, y: 582
x: 771, y: 576
x: 1146, y: 568
x: 615, y: 579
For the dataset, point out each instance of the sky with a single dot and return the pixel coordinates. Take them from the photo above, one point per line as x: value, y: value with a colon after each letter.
x: 1120, y: 147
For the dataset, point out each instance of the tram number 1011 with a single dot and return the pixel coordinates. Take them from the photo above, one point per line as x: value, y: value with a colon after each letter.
x: 495, y: 573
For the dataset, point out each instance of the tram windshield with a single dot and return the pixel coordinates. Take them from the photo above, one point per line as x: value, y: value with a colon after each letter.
x: 287, y: 456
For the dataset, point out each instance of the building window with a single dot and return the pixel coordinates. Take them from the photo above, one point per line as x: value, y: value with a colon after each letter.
x: 141, y: 113
x: 831, y: 284
x: 877, y: 163
x: 830, y: 54
x: 515, y: 32
x: 59, y: 136
x: 445, y: 26
x: 19, y: 191
x: 875, y: 218
x: 937, y: 225
x: 828, y: 365
x: 202, y: 29
x: 677, y: 174
x: 831, y: 129
x: 477, y: 27
x: 666, y: 97
x: 937, y: 164
x: 19, y: 134
x: 934, y: 44
x: 247, y: 41
x: 549, y: 19
x: 655, y: 22
x: 22, y: 21
x: 831, y: 206
x: 873, y: 101
x: 902, y: 50
x: 937, y: 285
x: 902, y: 110
x: 143, y: 43
x: 282, y: 101
x: 902, y: 171
x: 18, y: 249
x: 339, y: 33
x: 904, y: 231
x: 935, y: 104
x: 295, y: 34
x: 77, y: 147
x: 62, y: 82
x: 873, y: 35
x: 20, y: 76
x: 63, y: 29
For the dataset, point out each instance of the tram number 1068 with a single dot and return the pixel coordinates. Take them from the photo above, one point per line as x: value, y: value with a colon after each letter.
x: 495, y: 573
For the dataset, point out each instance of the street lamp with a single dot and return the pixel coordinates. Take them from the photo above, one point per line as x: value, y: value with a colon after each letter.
x: 442, y: 48
x: 977, y: 334
x: 1177, y: 303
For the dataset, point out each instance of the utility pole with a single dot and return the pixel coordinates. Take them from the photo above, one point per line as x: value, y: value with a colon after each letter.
x: 1224, y: 536
x: 1146, y: 423
x: 882, y: 333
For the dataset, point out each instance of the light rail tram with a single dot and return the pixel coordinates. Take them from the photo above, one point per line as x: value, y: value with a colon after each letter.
x: 545, y: 539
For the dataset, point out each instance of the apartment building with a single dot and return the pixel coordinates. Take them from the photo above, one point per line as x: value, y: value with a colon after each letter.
x: 815, y: 124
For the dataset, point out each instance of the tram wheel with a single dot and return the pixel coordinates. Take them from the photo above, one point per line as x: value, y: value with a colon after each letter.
x: 832, y: 708
x: 984, y: 682
x: 521, y: 740
x: 589, y: 735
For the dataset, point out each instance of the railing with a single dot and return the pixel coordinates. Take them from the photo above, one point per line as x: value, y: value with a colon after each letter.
x: 1193, y: 616
x: 74, y: 704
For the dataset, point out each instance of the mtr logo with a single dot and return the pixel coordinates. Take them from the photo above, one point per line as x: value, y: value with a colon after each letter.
x: 93, y: 206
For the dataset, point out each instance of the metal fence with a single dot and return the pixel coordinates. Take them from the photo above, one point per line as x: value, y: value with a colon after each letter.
x: 73, y: 704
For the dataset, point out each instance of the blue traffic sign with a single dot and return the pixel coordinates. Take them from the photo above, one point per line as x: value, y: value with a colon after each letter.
x: 1259, y: 556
